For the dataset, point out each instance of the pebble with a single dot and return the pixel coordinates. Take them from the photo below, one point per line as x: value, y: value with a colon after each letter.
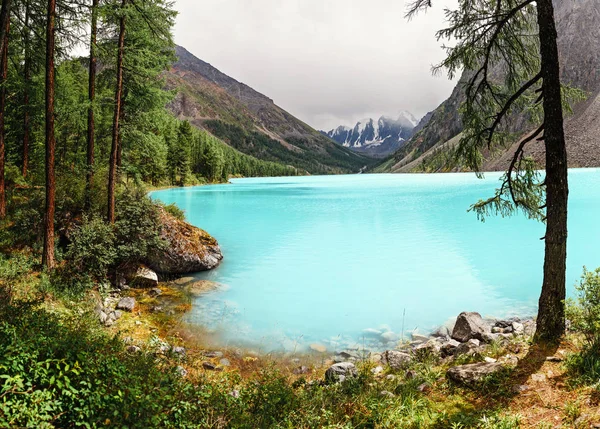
x: 386, y: 394
x: 182, y: 371
x: 224, y: 362
x: 538, y: 377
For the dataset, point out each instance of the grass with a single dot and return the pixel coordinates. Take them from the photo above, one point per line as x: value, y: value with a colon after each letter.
x: 60, y: 368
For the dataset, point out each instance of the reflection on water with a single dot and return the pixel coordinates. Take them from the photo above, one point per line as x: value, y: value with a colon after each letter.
x: 356, y: 261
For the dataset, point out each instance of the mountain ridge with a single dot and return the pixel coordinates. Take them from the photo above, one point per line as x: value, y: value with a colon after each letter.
x: 250, y: 121
x: 579, y: 50
x: 376, y: 138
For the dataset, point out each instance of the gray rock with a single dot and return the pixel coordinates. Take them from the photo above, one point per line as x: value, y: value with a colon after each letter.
x: 182, y: 371
x: 301, y: 370
x: 133, y: 349
x: 490, y: 337
x: 386, y: 394
x: 424, y: 388
x: 449, y: 348
x: 442, y: 331
x: 470, y: 325
x: 139, y: 275
x: 127, y: 304
x: 538, y: 377
x: 179, y: 350
x: 470, y: 373
x: 395, y: 359
x: 419, y: 337
x: 520, y: 388
x: 467, y: 348
x: 489, y: 359
x: 339, y: 372
x: 390, y: 377
x: 155, y: 292
x: 117, y: 314
x: 211, y: 367
x: 213, y: 354
x: 102, y: 316
x: 518, y: 328
x: 377, y: 370
x: 235, y: 393
x: 431, y: 347
x: 410, y: 375
x: 224, y: 362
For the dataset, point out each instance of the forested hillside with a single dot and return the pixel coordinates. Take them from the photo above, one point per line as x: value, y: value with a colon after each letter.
x: 252, y: 122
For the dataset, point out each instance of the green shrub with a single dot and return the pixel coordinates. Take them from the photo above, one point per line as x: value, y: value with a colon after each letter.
x: 584, y: 310
x: 137, y: 226
x: 174, y: 211
x: 92, y: 248
x: 584, y: 314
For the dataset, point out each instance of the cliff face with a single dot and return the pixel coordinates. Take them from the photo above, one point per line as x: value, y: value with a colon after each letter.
x: 578, y: 26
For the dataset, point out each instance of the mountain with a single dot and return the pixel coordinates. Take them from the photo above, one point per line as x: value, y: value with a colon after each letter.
x: 375, y: 137
x: 577, y: 21
x: 250, y: 121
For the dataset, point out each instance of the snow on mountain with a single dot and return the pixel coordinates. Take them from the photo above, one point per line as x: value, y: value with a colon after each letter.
x: 375, y: 137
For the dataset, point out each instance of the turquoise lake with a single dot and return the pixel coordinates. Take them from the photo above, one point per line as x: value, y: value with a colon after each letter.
x: 358, y: 260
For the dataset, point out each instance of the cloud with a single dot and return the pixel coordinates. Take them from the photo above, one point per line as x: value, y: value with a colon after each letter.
x: 328, y: 62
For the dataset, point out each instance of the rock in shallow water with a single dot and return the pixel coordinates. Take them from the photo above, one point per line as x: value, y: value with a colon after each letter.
x: 189, y: 249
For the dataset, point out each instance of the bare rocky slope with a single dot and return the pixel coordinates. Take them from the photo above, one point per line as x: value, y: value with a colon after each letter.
x: 250, y: 121
x: 578, y: 25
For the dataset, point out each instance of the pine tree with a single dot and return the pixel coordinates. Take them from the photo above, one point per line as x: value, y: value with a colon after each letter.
x: 112, y: 174
x: 48, y: 251
x: 91, y: 97
x: 507, y: 48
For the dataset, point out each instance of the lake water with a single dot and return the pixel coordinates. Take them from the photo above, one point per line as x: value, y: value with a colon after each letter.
x: 359, y: 260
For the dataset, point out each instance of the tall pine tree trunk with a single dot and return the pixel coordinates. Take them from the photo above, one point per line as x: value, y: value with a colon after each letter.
x: 48, y: 253
x: 3, y: 76
x: 551, y: 314
x: 4, y: 19
x: 91, y: 96
x: 112, y: 173
x: 27, y: 73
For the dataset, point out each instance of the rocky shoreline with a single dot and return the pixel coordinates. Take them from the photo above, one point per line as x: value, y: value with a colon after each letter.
x: 470, y: 336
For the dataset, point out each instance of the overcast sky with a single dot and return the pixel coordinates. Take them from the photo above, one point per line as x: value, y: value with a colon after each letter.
x: 328, y: 62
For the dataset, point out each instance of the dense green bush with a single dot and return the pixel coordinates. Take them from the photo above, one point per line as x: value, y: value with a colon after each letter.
x: 174, y: 211
x: 92, y: 247
x: 137, y: 225
x: 584, y: 315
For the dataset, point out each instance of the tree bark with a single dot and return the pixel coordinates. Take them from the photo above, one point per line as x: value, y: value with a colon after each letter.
x: 91, y: 97
x: 27, y: 73
x: 4, y: 19
x: 48, y: 253
x: 551, y: 313
x: 3, y: 76
x: 112, y: 174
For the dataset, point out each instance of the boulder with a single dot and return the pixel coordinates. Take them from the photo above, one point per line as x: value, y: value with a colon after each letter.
x: 449, y: 348
x: 138, y: 275
x: 395, y: 359
x: 470, y: 325
x: 127, y: 304
x: 339, y: 372
x: 188, y: 250
x: 473, y: 372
